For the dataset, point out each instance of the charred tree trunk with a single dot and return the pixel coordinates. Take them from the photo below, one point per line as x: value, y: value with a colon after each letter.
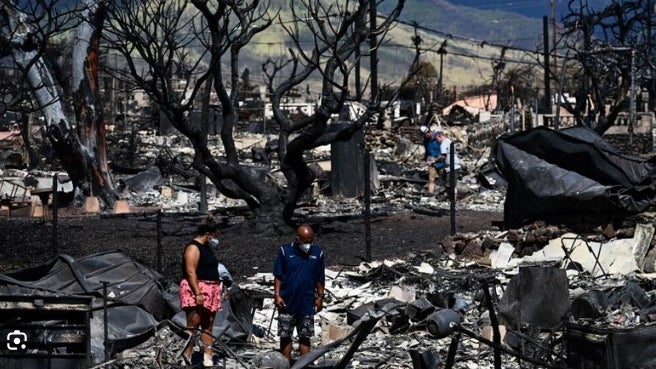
x: 88, y: 103
x: 79, y: 160
x: 333, y: 46
x: 63, y: 139
x: 25, y: 134
x: 231, y: 178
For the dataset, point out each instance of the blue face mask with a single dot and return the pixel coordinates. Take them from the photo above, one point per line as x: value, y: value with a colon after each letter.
x: 213, y: 243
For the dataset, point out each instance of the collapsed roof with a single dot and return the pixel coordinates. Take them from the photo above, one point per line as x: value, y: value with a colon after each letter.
x: 571, y: 174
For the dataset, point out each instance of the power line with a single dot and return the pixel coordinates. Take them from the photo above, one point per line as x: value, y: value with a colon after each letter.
x: 473, y: 56
x: 463, y: 38
x: 473, y: 41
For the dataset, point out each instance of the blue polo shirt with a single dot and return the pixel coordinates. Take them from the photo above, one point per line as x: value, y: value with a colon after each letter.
x: 299, y: 273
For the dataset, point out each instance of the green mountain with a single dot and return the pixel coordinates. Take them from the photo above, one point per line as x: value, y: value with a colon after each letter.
x: 475, y: 39
x: 496, y: 27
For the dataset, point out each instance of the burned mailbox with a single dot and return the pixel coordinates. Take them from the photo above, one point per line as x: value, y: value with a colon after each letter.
x: 45, y: 332
x: 625, y: 348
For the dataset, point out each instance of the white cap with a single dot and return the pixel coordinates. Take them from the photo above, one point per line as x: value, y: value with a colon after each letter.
x: 423, y: 129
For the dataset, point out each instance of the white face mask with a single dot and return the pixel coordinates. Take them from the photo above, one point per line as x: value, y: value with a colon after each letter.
x: 305, y: 247
x: 213, y: 243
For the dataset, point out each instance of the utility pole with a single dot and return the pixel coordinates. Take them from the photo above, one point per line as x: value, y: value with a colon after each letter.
x: 650, y: 13
x: 204, y: 124
x: 373, y: 41
x: 554, y: 36
x: 632, y: 103
x: 441, y: 52
x: 547, y: 88
x: 367, y: 161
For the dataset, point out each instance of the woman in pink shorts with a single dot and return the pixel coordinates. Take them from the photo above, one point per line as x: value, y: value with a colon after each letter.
x: 200, y: 288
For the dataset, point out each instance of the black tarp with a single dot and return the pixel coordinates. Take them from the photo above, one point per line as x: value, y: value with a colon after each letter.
x: 137, y: 298
x: 570, y: 174
x: 135, y: 294
x: 128, y: 282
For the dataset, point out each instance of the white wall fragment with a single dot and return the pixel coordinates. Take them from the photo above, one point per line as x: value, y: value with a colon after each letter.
x: 500, y: 257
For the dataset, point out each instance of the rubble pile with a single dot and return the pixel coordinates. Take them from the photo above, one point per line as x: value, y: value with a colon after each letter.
x: 543, y: 295
x: 440, y: 308
x: 401, y: 175
x: 155, y: 172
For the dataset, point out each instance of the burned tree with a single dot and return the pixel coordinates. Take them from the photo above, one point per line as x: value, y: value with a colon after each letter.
x: 613, y: 54
x: 27, y: 30
x: 335, y: 40
x: 422, y: 84
x: 194, y: 37
x: 203, y: 38
x: 422, y: 75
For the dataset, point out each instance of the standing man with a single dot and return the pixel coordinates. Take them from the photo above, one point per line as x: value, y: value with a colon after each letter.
x: 445, y: 157
x: 298, y: 289
x: 432, y: 152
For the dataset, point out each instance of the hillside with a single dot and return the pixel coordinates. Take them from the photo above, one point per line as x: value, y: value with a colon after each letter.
x: 474, y: 42
x: 468, y: 61
x: 499, y: 27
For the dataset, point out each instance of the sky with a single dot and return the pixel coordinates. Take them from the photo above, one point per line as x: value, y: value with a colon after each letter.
x: 531, y: 8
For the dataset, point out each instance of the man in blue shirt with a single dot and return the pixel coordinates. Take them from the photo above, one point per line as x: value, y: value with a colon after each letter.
x: 298, y: 287
x: 432, y: 152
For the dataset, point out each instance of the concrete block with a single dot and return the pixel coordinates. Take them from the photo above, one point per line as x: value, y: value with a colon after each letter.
x: 121, y: 207
x: 91, y: 205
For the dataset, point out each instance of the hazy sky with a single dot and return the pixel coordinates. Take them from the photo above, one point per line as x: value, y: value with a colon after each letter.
x: 532, y: 8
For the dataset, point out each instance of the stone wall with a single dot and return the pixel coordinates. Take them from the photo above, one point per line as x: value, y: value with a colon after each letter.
x: 483, y: 135
x: 642, y: 141
x: 642, y: 144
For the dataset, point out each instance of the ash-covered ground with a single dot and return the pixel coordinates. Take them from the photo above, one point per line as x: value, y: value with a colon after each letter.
x: 26, y: 242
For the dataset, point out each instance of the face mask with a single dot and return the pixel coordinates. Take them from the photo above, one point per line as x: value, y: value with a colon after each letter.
x: 213, y: 243
x: 305, y: 247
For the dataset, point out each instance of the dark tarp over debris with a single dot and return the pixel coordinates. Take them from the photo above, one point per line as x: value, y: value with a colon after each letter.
x: 136, y: 298
x: 571, y: 174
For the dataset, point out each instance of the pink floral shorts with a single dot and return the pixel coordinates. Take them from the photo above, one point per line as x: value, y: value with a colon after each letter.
x: 211, y: 291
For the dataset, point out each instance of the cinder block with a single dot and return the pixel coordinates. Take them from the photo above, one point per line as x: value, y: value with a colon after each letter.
x: 121, y: 207
x: 91, y: 205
